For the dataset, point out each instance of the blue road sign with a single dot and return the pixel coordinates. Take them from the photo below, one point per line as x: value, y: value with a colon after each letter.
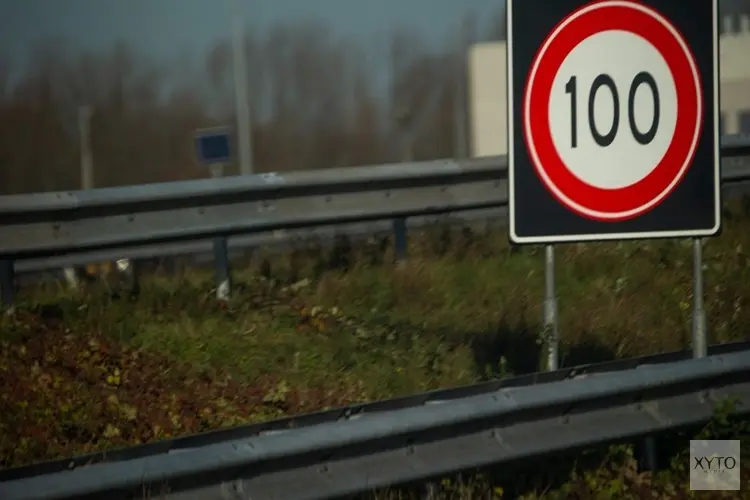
x: 212, y: 145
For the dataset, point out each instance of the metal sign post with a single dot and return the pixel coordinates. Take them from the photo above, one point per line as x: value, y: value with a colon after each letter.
x: 700, y: 342
x: 221, y: 251
x: 551, y: 340
x: 87, y: 173
x: 597, y: 150
x: 213, y: 150
x: 242, y: 101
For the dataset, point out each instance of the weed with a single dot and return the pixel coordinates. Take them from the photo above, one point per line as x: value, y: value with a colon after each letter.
x: 323, y: 327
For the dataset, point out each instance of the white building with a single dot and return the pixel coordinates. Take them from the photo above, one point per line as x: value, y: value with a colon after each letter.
x: 487, y: 87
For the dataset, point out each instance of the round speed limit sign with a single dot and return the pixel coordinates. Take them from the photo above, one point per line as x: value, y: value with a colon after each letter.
x: 611, y: 139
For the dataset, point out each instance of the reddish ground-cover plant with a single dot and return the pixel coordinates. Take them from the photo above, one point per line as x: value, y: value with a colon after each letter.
x: 66, y: 394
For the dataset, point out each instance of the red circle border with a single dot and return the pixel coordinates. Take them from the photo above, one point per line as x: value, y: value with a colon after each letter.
x: 636, y: 199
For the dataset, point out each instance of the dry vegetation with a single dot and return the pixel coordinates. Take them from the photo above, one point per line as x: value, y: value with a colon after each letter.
x: 306, y: 331
x: 310, y: 330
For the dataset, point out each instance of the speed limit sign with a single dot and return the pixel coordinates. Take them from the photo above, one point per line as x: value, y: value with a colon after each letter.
x: 613, y: 127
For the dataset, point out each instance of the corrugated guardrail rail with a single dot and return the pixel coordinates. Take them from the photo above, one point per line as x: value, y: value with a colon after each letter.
x: 350, y: 450
x: 107, y: 222
x: 53, y: 230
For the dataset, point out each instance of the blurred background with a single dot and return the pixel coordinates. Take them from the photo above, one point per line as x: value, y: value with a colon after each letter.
x: 101, y: 92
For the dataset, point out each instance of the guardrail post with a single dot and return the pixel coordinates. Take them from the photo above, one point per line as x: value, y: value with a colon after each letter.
x: 647, y: 459
x: 221, y: 252
x: 7, y: 282
x: 130, y: 268
x: 399, y: 239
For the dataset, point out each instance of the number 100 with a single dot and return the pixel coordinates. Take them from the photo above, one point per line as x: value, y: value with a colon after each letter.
x: 604, y: 80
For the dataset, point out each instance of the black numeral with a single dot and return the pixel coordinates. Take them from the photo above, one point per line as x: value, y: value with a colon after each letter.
x: 604, y: 80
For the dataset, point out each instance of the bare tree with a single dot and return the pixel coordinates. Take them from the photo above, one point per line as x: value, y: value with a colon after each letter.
x: 314, y: 96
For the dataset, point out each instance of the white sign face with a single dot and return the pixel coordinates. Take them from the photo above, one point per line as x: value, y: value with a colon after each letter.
x: 613, y: 99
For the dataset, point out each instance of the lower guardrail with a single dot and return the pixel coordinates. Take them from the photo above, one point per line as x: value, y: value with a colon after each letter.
x: 363, y: 451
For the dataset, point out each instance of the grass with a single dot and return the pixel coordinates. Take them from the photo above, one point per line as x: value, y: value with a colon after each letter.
x: 319, y: 328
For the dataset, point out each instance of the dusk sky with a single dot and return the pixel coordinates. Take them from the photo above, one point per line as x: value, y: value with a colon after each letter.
x: 169, y: 27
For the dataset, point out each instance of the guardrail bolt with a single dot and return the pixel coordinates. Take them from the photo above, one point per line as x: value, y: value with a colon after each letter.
x: 221, y: 264
x: 399, y: 239
x: 7, y: 282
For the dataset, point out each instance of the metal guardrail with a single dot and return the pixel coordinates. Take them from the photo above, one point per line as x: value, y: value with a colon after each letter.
x: 361, y: 451
x: 115, y: 219
x: 51, y: 223
x: 201, y: 250
x: 337, y: 414
x: 55, y: 230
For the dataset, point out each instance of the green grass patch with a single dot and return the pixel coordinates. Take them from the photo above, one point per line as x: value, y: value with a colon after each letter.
x: 315, y: 328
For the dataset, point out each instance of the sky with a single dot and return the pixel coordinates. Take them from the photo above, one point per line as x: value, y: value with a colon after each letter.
x: 166, y: 28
